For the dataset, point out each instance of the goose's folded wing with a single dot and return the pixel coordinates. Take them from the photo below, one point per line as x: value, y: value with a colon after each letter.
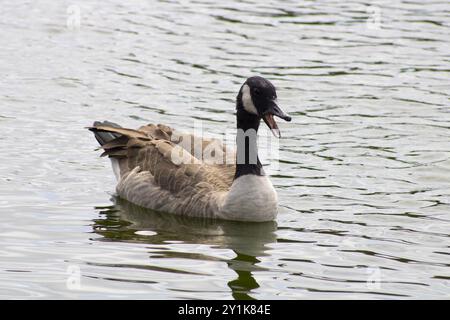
x: 175, y: 169
x: 172, y: 167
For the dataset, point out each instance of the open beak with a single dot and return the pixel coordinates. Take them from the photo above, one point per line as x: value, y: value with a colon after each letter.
x: 268, y: 116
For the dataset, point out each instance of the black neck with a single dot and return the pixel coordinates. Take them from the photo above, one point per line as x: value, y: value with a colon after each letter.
x: 247, y: 160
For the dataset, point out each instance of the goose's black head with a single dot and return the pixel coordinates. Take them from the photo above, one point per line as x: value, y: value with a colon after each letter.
x: 258, y: 99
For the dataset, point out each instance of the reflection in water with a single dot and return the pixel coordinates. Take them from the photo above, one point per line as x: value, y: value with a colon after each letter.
x: 127, y: 222
x: 245, y: 281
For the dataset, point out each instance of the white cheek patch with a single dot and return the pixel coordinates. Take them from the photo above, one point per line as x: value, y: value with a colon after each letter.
x: 247, y: 100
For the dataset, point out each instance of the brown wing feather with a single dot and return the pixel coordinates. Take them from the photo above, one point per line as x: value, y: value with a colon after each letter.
x: 131, y: 133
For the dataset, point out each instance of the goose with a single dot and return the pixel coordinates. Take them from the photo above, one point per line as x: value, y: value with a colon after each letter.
x: 158, y: 170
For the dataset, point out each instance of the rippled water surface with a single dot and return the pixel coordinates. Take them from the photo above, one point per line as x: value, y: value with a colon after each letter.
x: 363, y: 179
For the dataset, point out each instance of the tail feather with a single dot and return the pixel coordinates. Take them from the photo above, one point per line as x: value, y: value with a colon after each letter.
x: 112, y: 141
x: 105, y: 137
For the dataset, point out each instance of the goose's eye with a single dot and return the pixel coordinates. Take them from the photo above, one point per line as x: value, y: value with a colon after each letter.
x: 256, y: 91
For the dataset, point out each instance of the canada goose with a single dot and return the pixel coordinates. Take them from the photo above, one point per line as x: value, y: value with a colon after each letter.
x: 156, y: 170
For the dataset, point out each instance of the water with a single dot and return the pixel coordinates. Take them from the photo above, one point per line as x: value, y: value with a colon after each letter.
x: 363, y: 181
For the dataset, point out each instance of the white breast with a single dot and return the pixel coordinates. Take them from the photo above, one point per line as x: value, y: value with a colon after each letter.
x: 251, y: 198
